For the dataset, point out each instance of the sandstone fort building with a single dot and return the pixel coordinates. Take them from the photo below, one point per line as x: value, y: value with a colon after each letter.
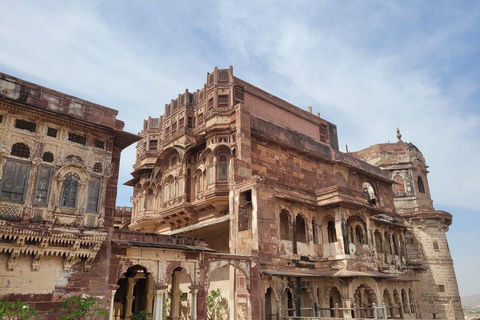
x: 234, y: 190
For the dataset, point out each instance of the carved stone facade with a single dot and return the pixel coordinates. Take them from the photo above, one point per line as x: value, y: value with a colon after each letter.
x: 331, y: 234
x: 237, y: 195
x: 59, y: 160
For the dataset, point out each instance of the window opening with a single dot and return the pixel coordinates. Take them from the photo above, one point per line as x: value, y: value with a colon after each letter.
x: 223, y: 101
x: 222, y: 168
x: 421, y: 187
x: 331, y: 232
x: 69, y: 192
x: 285, y: 225
x: 52, y: 132
x: 369, y: 192
x: 245, y: 210
x: 26, y: 125
x: 43, y: 186
x: 20, y: 150
x: 153, y: 144
x: 300, y: 229
x: 93, y: 195
x: 99, y: 144
x: 73, y: 137
x: 97, y: 167
x: 14, y: 181
x: 47, y: 157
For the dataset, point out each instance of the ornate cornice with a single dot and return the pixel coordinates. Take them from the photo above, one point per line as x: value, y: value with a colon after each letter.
x: 69, y: 245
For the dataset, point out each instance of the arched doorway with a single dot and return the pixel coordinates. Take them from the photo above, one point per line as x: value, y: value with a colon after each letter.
x: 134, y: 294
x: 271, y: 307
x: 335, y: 299
x: 229, y: 291
x: 288, y: 304
x: 365, y: 297
x: 179, y: 305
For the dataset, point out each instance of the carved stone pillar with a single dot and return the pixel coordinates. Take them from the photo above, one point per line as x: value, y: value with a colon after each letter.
x: 129, y: 304
x: 193, y: 303
x: 158, y: 303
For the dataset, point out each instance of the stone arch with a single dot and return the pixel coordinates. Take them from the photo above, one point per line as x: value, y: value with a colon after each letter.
x: 379, y: 245
x: 285, y: 225
x: 21, y: 150
x: 288, y: 303
x: 329, y: 233
x: 334, y: 300
x: 232, y: 278
x: 369, y: 191
x: 420, y: 185
x: 300, y: 228
x: 365, y: 297
x: 179, y: 282
x: 271, y: 305
x: 135, y: 292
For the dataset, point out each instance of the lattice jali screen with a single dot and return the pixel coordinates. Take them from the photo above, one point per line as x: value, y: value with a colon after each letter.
x: 37, y: 215
x: 91, y: 222
x: 10, y: 212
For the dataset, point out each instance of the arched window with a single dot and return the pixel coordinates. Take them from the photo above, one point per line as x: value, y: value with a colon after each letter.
x: 331, y: 232
x: 47, y: 157
x: 20, y: 150
x: 378, y: 242
x: 69, y: 193
x: 359, y: 234
x: 314, y: 232
x: 421, y: 187
x: 149, y: 199
x: 222, y: 168
x: 395, y: 245
x: 300, y: 229
x: 285, y: 225
x: 388, y: 243
x: 369, y: 192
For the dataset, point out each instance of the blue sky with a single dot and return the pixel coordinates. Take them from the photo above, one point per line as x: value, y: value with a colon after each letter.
x: 367, y: 66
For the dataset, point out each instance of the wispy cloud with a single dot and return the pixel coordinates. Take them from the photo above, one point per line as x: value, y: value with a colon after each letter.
x: 367, y: 66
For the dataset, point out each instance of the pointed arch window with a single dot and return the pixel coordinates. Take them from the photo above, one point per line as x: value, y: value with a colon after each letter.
x: 331, y: 232
x: 69, y: 193
x: 222, y: 168
x: 285, y: 225
x: 300, y: 229
x: 421, y: 186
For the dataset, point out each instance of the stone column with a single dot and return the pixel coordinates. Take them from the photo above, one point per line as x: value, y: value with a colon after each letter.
x: 193, y: 303
x: 158, y: 303
x: 150, y: 293
x: 175, y: 297
x: 112, y: 301
x: 128, y: 307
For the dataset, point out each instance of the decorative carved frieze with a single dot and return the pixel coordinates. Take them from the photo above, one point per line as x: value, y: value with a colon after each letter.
x: 68, y: 245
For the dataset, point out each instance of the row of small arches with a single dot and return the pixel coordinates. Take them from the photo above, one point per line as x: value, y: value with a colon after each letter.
x: 22, y: 150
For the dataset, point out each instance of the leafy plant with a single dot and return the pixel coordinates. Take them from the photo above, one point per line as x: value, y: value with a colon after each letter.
x: 217, y: 305
x: 80, y: 308
x: 16, y: 311
x: 142, y: 315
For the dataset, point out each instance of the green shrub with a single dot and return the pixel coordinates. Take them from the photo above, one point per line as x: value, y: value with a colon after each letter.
x: 80, y: 308
x: 16, y: 311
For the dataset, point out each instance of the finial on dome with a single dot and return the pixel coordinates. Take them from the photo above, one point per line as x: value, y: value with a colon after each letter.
x: 399, y: 135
